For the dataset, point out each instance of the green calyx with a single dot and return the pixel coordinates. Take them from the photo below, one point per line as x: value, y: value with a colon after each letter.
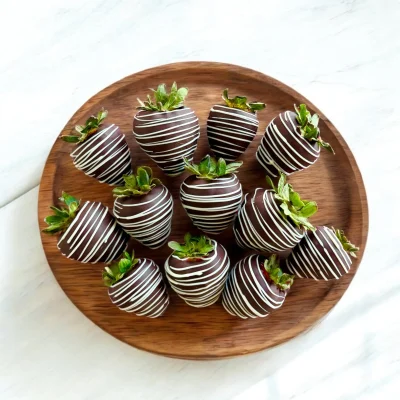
x: 117, y: 270
x: 282, y: 280
x: 137, y: 185
x: 241, y: 103
x: 309, y: 127
x: 194, y: 247
x: 91, y: 126
x: 347, y: 245
x: 62, y: 217
x: 164, y: 101
x: 291, y: 204
x: 209, y: 168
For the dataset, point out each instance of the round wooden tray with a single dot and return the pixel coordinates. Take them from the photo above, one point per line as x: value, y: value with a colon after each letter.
x: 184, y: 332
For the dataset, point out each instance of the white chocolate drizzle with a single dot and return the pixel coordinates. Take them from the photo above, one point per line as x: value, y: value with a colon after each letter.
x: 199, y: 283
x: 105, y: 155
x: 247, y: 292
x: 230, y: 131
x: 167, y: 137
x: 285, y: 150
x: 212, y: 212
x: 152, y: 226
x: 273, y: 233
x: 319, y: 256
x: 142, y: 291
x: 93, y: 236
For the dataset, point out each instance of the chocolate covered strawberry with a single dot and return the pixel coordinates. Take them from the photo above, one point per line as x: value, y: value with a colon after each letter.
x: 197, y: 270
x: 255, y: 287
x: 291, y: 142
x: 136, y: 286
x: 232, y: 126
x: 101, y: 150
x: 143, y: 207
x: 167, y: 130
x: 322, y: 254
x: 273, y: 220
x: 212, y: 195
x: 90, y: 234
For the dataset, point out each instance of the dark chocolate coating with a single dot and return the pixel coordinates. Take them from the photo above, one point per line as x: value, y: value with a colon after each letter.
x: 167, y: 137
x: 230, y: 131
x: 211, y: 204
x: 105, y: 155
x: 142, y: 290
x: 199, y: 282
x: 260, y: 225
x: 93, y: 236
x: 283, y: 148
x: 319, y: 256
x: 146, y: 218
x: 247, y: 292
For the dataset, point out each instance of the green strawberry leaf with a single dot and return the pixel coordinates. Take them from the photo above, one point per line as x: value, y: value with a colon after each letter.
x: 282, y: 280
x: 137, y: 185
x: 116, y: 271
x: 271, y: 184
x: 209, y: 168
x: 193, y: 247
x: 70, y: 139
x: 292, y: 207
x: 91, y: 126
x: 175, y: 246
x: 62, y: 217
x: 221, y: 167
x: 240, y: 102
x: 164, y: 101
x: 295, y: 199
x: 232, y: 167
x: 347, y: 245
x: 308, y: 209
x: 205, y: 165
x: 309, y: 129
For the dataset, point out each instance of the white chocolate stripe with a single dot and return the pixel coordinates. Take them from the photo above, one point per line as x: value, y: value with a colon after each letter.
x: 117, y: 243
x: 96, y: 230
x: 230, y: 133
x: 142, y: 292
x: 277, y: 148
x: 179, y: 132
x: 211, y: 212
x: 307, y: 261
x: 203, y: 287
x: 246, y: 117
x: 244, y: 296
x: 151, y: 226
x: 101, y: 148
x: 276, y: 234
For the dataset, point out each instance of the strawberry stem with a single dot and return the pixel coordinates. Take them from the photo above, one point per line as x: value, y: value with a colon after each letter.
x: 62, y: 217
x: 309, y: 127
x: 164, y: 101
x: 91, y: 126
x: 292, y: 206
x: 241, y: 103
x: 282, y: 280
x: 209, y: 168
x: 116, y: 271
x: 347, y: 245
x: 193, y: 247
x: 137, y: 185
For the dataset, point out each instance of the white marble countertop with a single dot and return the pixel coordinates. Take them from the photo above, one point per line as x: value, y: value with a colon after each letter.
x: 343, y: 55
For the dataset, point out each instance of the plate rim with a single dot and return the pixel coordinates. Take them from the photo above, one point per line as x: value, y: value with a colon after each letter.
x: 166, y: 68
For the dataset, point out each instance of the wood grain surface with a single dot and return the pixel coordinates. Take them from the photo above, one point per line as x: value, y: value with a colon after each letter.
x: 334, y: 182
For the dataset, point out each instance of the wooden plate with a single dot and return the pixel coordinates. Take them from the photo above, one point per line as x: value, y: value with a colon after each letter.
x: 334, y: 182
